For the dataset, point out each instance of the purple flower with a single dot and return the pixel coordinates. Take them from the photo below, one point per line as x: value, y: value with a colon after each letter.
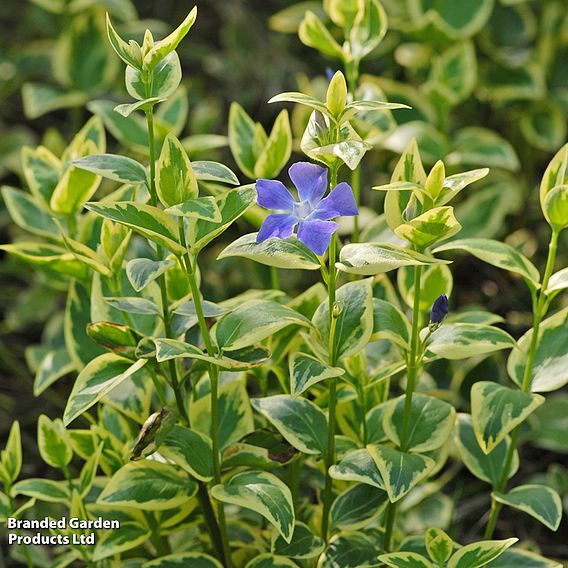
x: 312, y: 213
x: 439, y: 309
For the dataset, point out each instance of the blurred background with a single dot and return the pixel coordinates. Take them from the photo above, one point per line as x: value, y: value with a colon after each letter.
x: 487, y: 81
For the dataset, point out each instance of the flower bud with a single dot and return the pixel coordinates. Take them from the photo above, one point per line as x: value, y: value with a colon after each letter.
x: 336, y: 311
x: 439, y: 312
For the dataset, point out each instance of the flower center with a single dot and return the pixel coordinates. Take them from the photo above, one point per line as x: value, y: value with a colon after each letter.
x: 302, y: 209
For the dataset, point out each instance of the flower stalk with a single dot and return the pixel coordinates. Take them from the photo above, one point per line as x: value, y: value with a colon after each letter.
x: 412, y: 368
x: 540, y: 307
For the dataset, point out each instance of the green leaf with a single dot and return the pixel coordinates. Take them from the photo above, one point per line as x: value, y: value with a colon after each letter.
x: 146, y: 220
x: 558, y: 281
x: 118, y: 338
x: 306, y: 371
x: 149, y: 486
x: 133, y: 533
x: 231, y: 205
x: 350, y: 550
x: 288, y: 20
x: 439, y: 545
x: 390, y: 323
x: 263, y: 493
x: 39, y: 99
x: 453, y: 74
x: 555, y: 173
x: 125, y: 51
x: 314, y: 34
x: 301, y: 422
x: 252, y: 322
x: 166, y: 78
x: 336, y: 96
x: 41, y: 170
x: 27, y: 214
x: 377, y: 258
x: 190, y: 450
x: 497, y: 254
x: 522, y: 559
x: 86, y: 255
x: 405, y: 560
x: 301, y: 99
x: 184, y: 560
x: 435, y: 225
x: 235, y: 417
x: 43, y: 489
x: 52, y: 442
x: 51, y: 257
x: 175, y: 181
x: 206, y: 170
x: 134, y: 305
x: 142, y: 271
x: 165, y: 46
x: 368, y: 30
x: 496, y: 410
x: 354, y: 325
x: 357, y: 506
x: 88, y: 471
x: 479, y: 554
x: 400, y: 471
x: 99, y: 377
x: 374, y: 419
x: 360, y: 466
x: 287, y: 253
x: 304, y: 544
x: 550, y: 368
x: 436, y: 280
x: 79, y: 345
x: 452, y: 23
x: 127, y: 109
x: 431, y: 422
x: 463, y: 340
x: 277, y: 150
x: 271, y: 561
x: 199, y: 208
x: 539, y: 501
x: 241, y: 137
x: 487, y: 467
x: 54, y: 365
x: 543, y: 125
x: 11, y: 456
x: 482, y: 147
x: 555, y: 207
x: 113, y: 167
x: 130, y: 131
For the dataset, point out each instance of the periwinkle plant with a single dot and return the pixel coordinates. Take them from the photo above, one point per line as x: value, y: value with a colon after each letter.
x: 327, y: 463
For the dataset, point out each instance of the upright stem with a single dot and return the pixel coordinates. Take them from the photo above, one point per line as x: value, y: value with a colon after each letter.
x: 539, y: 311
x: 175, y: 380
x: 214, y: 381
x: 333, y: 315
x: 356, y: 186
x: 411, y: 380
x: 352, y: 74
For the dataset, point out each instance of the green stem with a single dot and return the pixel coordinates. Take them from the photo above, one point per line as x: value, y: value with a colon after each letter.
x: 29, y: 561
x: 411, y: 381
x: 333, y: 315
x: 274, y: 278
x: 540, y: 306
x: 175, y: 381
x: 356, y: 186
x: 209, y: 516
x: 158, y: 386
x: 160, y: 543
x: 214, y: 381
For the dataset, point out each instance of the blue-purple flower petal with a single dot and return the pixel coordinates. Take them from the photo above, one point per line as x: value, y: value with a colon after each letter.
x: 316, y: 234
x: 279, y: 225
x: 339, y: 203
x: 272, y: 194
x: 310, y: 181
